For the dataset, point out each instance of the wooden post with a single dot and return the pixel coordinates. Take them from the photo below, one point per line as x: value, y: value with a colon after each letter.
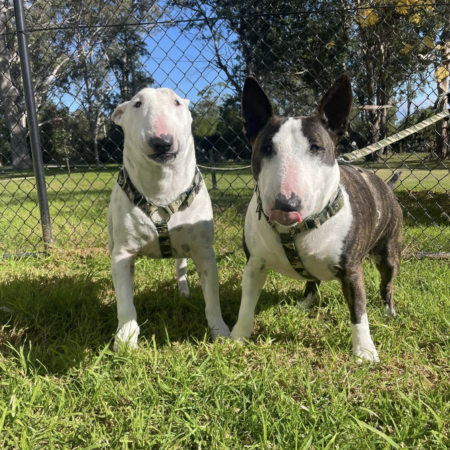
x: 213, y: 172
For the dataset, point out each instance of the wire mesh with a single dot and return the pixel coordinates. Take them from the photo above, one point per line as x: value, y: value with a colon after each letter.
x: 87, y: 57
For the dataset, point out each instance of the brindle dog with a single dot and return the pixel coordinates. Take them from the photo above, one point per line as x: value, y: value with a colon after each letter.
x: 298, y: 178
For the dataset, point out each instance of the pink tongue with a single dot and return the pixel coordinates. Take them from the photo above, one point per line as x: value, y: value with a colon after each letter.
x: 285, y: 218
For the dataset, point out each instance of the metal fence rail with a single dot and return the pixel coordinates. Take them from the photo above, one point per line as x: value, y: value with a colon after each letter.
x: 64, y: 66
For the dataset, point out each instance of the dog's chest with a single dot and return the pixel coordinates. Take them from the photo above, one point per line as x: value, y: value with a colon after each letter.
x: 320, y: 250
x: 190, y: 228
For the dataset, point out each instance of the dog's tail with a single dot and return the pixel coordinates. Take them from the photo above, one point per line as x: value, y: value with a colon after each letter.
x: 393, y: 181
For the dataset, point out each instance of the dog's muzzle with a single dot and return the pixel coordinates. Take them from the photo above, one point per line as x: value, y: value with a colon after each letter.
x: 164, y: 148
x: 286, y: 210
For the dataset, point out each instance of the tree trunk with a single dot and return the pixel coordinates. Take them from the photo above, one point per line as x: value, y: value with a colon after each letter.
x: 92, y: 115
x: 442, y: 132
x: 374, y: 123
x: 15, y: 114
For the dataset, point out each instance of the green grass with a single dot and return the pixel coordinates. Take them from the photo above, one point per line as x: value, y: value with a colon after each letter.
x: 295, y: 386
x: 78, y: 206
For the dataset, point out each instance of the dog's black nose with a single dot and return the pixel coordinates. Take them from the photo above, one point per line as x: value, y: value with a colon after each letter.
x: 292, y: 204
x: 162, y: 144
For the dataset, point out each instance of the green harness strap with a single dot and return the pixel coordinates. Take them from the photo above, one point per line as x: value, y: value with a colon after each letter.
x: 149, y: 208
x: 310, y: 223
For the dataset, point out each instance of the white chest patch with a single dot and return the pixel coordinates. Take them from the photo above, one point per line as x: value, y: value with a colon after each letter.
x: 320, y: 249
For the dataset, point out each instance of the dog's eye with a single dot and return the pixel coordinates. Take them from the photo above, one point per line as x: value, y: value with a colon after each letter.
x: 138, y: 104
x: 177, y: 103
x: 316, y: 148
x: 268, y: 149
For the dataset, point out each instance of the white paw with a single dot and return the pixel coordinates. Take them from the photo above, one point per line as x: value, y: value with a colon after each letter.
x: 127, y: 336
x: 390, y: 311
x: 183, y: 288
x: 220, y: 330
x: 241, y: 334
x: 363, y: 346
x: 366, y: 354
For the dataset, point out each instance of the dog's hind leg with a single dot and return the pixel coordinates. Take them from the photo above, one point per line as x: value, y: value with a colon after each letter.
x: 122, y: 265
x: 309, y: 295
x: 387, y: 259
x: 183, y: 285
x: 205, y: 262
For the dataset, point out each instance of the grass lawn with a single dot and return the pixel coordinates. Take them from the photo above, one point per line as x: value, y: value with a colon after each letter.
x: 78, y: 206
x: 295, y: 386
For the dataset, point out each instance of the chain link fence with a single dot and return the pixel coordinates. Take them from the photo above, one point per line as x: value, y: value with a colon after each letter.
x: 87, y: 57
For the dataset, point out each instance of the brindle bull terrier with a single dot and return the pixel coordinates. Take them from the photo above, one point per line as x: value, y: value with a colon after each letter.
x: 311, y: 219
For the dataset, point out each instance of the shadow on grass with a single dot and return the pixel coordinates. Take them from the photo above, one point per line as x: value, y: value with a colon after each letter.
x: 60, y: 320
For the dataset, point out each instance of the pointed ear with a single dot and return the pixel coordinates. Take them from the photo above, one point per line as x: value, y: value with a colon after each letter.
x: 118, y: 113
x: 335, y: 105
x: 256, y: 108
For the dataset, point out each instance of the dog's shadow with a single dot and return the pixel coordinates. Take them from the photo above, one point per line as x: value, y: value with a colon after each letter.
x: 58, y: 320
x: 55, y: 321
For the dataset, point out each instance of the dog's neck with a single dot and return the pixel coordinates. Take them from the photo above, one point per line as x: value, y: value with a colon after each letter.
x: 161, y: 184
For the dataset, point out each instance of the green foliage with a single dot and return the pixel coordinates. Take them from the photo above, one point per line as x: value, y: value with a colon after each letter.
x: 217, y: 125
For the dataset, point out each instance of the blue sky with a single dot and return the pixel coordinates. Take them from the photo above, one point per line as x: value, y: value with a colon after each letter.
x: 180, y: 60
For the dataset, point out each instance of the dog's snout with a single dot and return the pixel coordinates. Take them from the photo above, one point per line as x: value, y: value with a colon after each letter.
x: 162, y: 144
x: 291, y: 204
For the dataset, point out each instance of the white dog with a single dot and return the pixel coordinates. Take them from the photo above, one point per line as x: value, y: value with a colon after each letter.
x: 160, y: 167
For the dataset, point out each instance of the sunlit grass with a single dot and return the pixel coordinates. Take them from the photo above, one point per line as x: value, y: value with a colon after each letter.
x: 78, y: 206
x: 294, y: 386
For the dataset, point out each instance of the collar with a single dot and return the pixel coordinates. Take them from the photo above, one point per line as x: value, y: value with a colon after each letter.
x: 148, y: 207
x: 312, y: 222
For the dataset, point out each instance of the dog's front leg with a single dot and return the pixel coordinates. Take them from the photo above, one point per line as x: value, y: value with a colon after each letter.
x: 205, y: 262
x: 352, y: 280
x: 122, y: 266
x: 255, y: 274
x: 183, y: 285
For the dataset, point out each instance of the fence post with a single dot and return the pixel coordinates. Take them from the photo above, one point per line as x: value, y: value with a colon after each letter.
x: 33, y: 129
x: 213, y: 172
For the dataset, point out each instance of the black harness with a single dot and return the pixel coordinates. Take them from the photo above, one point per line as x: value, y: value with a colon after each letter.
x: 310, y: 223
x: 149, y: 208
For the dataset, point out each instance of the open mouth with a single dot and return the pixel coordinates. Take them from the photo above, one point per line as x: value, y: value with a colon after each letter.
x: 284, y: 218
x: 163, y: 158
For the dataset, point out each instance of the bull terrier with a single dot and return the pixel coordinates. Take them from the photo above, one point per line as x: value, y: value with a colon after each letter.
x: 160, y: 181
x: 311, y: 219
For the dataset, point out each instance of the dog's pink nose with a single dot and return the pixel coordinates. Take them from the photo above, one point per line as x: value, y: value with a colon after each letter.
x: 285, y: 218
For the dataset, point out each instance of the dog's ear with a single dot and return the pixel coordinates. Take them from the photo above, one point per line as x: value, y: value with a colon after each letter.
x: 118, y: 113
x: 256, y: 108
x: 334, y: 108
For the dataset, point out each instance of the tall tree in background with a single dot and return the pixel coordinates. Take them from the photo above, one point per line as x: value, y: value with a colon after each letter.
x: 387, y: 36
x: 10, y: 92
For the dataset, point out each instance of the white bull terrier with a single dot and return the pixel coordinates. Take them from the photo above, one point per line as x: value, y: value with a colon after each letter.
x: 159, y: 182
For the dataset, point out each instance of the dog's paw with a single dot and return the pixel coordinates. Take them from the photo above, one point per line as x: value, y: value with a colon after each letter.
x: 390, y: 312
x: 183, y: 288
x: 241, y: 334
x: 220, y: 331
x: 366, y: 354
x: 127, y: 336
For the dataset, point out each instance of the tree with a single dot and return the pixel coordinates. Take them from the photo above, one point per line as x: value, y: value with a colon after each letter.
x: 10, y: 94
x: 388, y: 37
